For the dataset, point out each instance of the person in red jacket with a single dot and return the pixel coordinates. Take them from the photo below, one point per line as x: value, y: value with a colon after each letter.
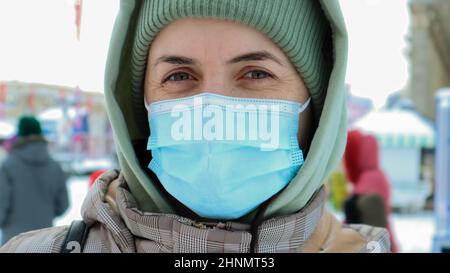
x: 93, y: 177
x: 369, y: 202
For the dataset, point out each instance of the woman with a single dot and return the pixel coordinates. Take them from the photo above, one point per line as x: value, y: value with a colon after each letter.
x: 178, y: 74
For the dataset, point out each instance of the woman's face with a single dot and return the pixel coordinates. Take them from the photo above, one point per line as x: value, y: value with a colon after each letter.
x: 191, y: 56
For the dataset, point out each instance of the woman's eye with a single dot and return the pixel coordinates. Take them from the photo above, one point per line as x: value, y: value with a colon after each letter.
x: 179, y: 76
x: 257, y: 75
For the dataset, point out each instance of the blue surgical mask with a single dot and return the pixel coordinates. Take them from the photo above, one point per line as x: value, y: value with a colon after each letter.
x: 224, y: 156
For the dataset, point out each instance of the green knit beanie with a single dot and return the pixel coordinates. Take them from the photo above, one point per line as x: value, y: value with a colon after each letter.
x: 298, y: 27
x: 29, y: 125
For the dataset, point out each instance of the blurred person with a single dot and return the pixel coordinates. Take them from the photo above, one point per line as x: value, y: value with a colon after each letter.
x: 210, y: 195
x: 32, y: 185
x: 338, y: 189
x: 370, y: 201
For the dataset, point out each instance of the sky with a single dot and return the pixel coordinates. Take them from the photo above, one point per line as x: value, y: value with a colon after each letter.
x: 377, y: 62
x: 38, y: 41
x: 38, y: 44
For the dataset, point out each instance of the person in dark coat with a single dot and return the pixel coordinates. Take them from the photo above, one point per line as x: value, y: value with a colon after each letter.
x: 32, y: 185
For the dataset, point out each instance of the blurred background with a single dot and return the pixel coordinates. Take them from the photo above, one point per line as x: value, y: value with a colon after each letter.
x: 52, y: 58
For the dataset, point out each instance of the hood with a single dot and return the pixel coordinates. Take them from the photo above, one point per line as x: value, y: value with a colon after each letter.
x: 361, y: 155
x: 32, y: 150
x: 131, y: 130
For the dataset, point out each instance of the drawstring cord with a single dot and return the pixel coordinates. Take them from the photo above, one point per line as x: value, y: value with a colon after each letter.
x: 257, y: 220
x: 255, y: 226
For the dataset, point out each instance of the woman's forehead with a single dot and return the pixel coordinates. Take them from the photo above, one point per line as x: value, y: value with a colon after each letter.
x: 202, y: 37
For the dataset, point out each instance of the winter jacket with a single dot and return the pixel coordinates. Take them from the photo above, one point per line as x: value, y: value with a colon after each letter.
x: 32, y: 188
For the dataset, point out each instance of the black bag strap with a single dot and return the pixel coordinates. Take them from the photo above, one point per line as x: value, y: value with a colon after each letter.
x: 76, y: 237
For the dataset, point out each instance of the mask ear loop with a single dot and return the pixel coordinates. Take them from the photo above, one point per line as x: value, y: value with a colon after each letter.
x: 304, y: 106
x: 147, y: 106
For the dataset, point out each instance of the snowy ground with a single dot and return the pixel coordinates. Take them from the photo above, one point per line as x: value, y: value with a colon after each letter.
x: 414, y: 231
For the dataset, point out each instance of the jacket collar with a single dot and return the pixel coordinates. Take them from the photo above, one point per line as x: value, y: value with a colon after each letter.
x: 23, y: 141
x: 111, y: 203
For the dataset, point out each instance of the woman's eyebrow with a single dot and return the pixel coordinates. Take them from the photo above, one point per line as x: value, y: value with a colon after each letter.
x: 174, y: 59
x: 255, y: 56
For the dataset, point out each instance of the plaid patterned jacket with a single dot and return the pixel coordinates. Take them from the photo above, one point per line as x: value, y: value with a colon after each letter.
x: 117, y: 225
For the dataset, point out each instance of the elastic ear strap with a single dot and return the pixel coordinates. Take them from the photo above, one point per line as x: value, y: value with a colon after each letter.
x: 305, y: 105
